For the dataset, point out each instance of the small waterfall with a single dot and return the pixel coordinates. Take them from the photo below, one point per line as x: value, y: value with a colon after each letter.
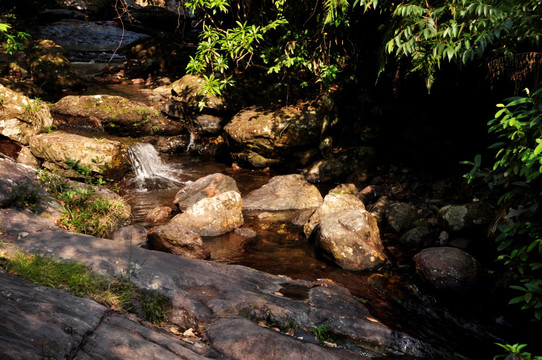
x: 150, y: 171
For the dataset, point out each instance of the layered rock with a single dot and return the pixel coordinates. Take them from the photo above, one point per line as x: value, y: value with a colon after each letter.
x: 59, y: 150
x: 20, y: 117
x: 266, y: 137
x: 116, y: 115
x: 351, y: 238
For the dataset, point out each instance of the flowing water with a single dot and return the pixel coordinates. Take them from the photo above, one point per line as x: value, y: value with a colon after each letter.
x: 394, y: 296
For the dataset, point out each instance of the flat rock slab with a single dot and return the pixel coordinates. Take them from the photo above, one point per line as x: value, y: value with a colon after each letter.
x: 202, y: 292
x: 243, y: 339
x: 45, y: 323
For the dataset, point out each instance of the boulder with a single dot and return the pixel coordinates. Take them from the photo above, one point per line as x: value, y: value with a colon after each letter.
x: 465, y: 216
x: 418, y: 238
x: 265, y: 137
x: 205, y: 187
x: 400, y: 216
x: 448, y: 269
x: 285, y: 192
x: 333, y: 202
x: 160, y: 214
x: 20, y: 117
x: 208, y: 125
x: 98, y: 154
x: 134, y: 235
x: 337, y: 167
x: 51, y: 69
x: 179, y: 240
x: 187, y: 96
x: 115, y: 114
x: 352, y: 239
x: 26, y: 157
x: 213, y: 216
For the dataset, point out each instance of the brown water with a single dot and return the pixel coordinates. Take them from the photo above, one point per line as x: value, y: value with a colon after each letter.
x: 394, y: 295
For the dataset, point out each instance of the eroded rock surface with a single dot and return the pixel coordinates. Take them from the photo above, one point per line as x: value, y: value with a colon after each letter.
x: 56, y: 148
x: 352, y: 239
x: 179, y: 240
x: 286, y: 192
x: 21, y: 117
x: 115, y: 115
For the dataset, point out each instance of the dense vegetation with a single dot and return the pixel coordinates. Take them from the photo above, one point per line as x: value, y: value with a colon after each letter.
x: 407, y: 66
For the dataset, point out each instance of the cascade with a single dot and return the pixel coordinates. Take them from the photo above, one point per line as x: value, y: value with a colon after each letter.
x: 150, y: 172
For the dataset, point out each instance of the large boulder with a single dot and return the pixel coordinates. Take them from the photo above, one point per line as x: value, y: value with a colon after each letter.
x: 213, y: 216
x: 285, y: 192
x: 265, y: 137
x: 186, y: 95
x: 115, y: 114
x: 205, y: 187
x: 56, y: 149
x: 448, y: 269
x: 20, y: 117
x: 352, y: 239
x: 179, y: 240
x: 51, y: 69
x: 333, y: 202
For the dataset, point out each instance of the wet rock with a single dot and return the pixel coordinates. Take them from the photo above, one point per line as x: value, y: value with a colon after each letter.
x: 56, y: 148
x: 170, y: 144
x: 179, y: 240
x: 27, y: 158
x: 208, y: 125
x: 352, y: 239
x: 160, y: 214
x: 448, y: 269
x: 134, y: 235
x: 51, y: 69
x: 465, y: 216
x: 213, y: 216
x: 205, y: 187
x: 333, y: 202
x: 245, y: 232
x: 400, y: 216
x: 418, y: 238
x: 115, y: 115
x: 272, y: 134
x: 379, y: 208
x: 20, y: 117
x: 238, y: 338
x: 338, y: 167
x: 285, y: 192
x: 202, y: 292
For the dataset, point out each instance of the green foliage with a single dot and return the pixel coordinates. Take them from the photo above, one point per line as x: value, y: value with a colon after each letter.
x: 13, y: 39
x: 515, y: 179
x: 286, y: 38
x: 26, y: 195
x: 515, y: 352
x: 458, y: 31
x: 84, y: 210
x: 321, y: 333
x: 71, y: 276
x: 154, y: 306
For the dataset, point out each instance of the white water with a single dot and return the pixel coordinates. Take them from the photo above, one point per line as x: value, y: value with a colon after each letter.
x: 150, y: 172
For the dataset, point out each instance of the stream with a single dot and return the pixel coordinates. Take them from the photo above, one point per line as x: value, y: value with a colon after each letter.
x: 395, y: 296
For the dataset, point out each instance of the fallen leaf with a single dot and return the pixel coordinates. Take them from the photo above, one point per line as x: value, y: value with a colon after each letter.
x: 189, y: 332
